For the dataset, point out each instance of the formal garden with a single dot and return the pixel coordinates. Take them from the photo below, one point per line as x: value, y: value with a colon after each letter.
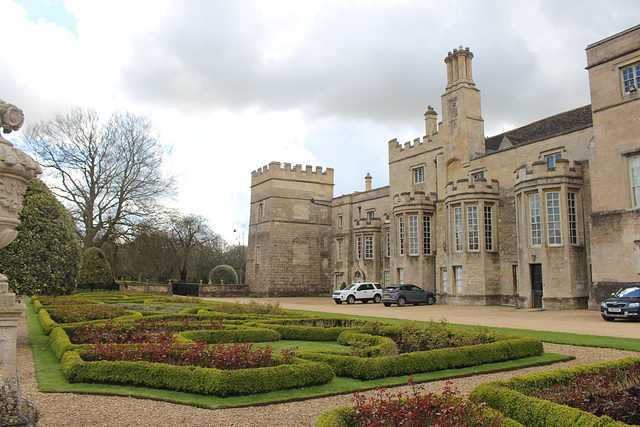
x: 215, y: 355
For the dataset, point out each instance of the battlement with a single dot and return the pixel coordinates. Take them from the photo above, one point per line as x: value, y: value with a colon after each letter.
x: 398, y: 151
x: 477, y: 185
x: 277, y: 170
x: 413, y: 198
x: 539, y: 170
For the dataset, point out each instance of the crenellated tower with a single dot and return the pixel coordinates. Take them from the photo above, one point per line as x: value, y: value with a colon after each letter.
x: 290, y: 230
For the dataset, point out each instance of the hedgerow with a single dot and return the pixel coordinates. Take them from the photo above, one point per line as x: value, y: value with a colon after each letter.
x: 512, y: 397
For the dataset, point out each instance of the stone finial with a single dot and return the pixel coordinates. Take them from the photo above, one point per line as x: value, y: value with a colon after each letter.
x: 11, y: 119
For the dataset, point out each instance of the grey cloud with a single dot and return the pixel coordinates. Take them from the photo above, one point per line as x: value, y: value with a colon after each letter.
x: 378, y: 63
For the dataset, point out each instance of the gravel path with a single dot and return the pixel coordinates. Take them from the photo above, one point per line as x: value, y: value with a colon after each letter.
x: 67, y: 409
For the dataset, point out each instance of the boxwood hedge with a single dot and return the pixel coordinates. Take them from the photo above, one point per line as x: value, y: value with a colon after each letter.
x: 194, y: 379
x: 510, y: 396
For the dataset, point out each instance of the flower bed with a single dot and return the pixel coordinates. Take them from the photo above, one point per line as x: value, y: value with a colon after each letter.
x: 611, y: 392
x: 81, y: 313
x: 384, y: 409
x: 515, y: 397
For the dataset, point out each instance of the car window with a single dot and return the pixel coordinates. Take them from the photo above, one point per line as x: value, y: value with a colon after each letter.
x: 352, y: 287
x: 415, y: 288
x: 377, y: 286
x: 631, y: 292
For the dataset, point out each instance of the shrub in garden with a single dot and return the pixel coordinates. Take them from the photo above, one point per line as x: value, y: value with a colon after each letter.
x: 44, y: 257
x: 611, y: 392
x: 84, y: 313
x: 415, y: 409
x: 218, y: 356
x: 223, y: 274
x: 95, y: 272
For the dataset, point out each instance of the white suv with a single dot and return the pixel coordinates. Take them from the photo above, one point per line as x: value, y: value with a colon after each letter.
x: 365, y: 292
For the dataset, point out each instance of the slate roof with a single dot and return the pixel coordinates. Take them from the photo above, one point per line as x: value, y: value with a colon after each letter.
x: 560, y: 124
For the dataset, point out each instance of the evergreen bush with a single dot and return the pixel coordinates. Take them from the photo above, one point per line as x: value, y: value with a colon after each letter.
x: 95, y: 272
x: 44, y: 257
x: 223, y: 274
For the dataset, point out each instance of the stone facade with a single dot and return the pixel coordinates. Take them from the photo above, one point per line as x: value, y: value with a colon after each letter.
x: 546, y: 215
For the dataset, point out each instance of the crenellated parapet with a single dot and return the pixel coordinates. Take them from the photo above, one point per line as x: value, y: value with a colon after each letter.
x: 277, y: 170
x: 363, y: 225
x: 417, y: 200
x: 538, y: 172
x: 472, y: 186
x: 399, y: 151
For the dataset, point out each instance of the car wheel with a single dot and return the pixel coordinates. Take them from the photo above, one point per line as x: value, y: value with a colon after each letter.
x: 607, y: 318
x: 402, y: 302
x: 351, y: 299
x: 431, y: 300
x: 387, y: 304
x: 338, y: 301
x: 376, y: 299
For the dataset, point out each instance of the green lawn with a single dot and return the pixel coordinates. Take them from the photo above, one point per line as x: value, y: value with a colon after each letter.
x: 50, y: 377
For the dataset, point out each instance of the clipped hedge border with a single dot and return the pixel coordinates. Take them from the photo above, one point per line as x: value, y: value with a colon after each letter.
x: 48, y: 323
x: 302, y: 333
x: 193, y: 379
x: 375, y: 345
x: 60, y: 342
x: 509, y: 348
x: 229, y: 335
x: 509, y: 395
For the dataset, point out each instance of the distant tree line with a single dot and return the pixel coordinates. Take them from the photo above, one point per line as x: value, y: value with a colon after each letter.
x: 110, y: 177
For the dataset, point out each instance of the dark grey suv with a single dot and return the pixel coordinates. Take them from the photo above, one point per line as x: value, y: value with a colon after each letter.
x: 407, y: 294
x: 623, y: 304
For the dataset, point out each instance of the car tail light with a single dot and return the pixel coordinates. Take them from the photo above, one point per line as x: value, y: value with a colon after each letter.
x: 393, y: 292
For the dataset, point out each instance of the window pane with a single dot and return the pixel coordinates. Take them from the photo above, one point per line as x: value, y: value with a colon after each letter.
x: 401, y: 234
x: 534, y: 219
x: 573, y: 218
x: 553, y: 218
x: 634, y: 164
x: 413, y: 235
x: 488, y: 228
x: 457, y: 222
x: 368, y: 247
x: 457, y: 272
x: 426, y: 231
x: 472, y: 228
x: 359, y: 247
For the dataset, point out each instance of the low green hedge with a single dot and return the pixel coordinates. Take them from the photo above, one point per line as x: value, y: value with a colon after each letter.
x: 303, y: 333
x: 37, y: 305
x: 48, y: 323
x: 229, y: 335
x: 369, y: 345
x: 60, y: 343
x: 193, y: 379
x: 508, y: 348
x: 511, y: 398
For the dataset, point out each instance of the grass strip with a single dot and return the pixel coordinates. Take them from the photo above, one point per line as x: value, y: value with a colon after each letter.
x: 51, y: 379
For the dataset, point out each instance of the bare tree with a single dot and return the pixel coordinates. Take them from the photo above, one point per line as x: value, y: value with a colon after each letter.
x: 187, y: 233
x: 110, y: 175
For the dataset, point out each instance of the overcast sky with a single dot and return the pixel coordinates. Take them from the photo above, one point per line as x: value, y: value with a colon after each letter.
x: 233, y: 85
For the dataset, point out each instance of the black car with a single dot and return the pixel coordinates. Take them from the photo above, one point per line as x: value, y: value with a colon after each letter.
x: 623, y: 304
x: 407, y: 294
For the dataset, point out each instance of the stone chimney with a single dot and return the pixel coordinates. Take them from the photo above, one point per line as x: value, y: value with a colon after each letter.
x: 367, y: 182
x: 431, y: 121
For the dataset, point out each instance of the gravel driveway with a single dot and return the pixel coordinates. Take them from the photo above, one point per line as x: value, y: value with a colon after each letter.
x: 66, y: 409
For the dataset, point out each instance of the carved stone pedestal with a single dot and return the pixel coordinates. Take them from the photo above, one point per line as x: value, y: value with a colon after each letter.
x: 16, y: 168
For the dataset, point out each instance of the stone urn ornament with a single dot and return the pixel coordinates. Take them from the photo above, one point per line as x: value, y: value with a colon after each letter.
x: 16, y: 168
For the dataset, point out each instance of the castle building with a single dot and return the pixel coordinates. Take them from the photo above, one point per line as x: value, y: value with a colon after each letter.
x: 546, y: 215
